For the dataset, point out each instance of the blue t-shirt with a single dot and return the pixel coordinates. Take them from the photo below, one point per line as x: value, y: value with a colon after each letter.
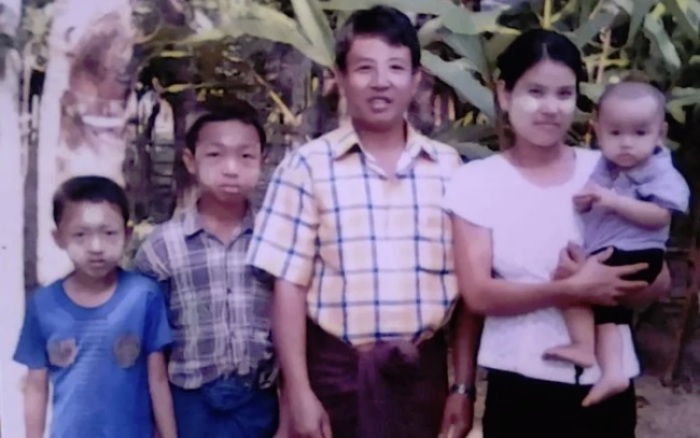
x: 97, y: 357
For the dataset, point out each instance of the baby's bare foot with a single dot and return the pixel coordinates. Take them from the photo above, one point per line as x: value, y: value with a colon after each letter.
x: 573, y: 353
x: 606, y: 387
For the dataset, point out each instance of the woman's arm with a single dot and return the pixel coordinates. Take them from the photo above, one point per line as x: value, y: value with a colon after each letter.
x: 594, y: 283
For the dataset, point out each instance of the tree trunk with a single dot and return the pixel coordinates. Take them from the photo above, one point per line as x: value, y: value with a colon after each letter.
x: 11, y: 240
x: 84, y: 108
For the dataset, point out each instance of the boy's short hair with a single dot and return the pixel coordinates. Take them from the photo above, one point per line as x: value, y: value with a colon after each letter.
x: 634, y: 85
x: 89, y: 188
x: 233, y: 110
x: 385, y: 22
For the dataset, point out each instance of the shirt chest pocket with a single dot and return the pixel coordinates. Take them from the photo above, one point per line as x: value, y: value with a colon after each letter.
x: 62, y: 349
x: 126, y: 349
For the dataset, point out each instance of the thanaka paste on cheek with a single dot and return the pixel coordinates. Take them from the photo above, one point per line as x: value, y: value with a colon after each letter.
x: 567, y: 106
x: 530, y: 105
x: 525, y: 103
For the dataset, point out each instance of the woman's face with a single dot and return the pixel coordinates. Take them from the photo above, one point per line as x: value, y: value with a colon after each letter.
x: 542, y: 104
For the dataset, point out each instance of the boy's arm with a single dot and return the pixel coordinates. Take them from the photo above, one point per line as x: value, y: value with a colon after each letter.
x: 151, y: 258
x: 31, y: 352
x: 36, y: 397
x: 157, y: 337
x: 161, y: 397
x: 643, y: 213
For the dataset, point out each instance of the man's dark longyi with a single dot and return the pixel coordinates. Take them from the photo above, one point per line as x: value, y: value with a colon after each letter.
x: 379, y: 392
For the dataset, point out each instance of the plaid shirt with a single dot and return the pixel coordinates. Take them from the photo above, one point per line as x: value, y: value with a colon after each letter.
x: 219, y: 311
x: 374, y: 252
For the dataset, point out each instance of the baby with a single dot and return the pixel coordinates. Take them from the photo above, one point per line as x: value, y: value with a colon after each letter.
x: 626, y: 210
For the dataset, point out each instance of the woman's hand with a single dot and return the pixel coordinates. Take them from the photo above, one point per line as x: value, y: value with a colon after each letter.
x: 598, y: 284
x: 660, y: 287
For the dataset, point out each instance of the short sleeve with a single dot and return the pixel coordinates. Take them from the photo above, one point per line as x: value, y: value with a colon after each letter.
x: 469, y: 194
x: 286, y: 228
x: 157, y: 334
x: 667, y: 189
x: 31, y: 347
x: 151, y: 259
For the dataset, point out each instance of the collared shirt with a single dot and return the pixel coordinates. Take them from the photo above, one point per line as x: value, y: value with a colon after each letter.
x: 374, y: 251
x: 655, y: 180
x: 219, y: 311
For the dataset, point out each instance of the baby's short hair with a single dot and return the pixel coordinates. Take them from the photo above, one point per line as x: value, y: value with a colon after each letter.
x: 634, y: 86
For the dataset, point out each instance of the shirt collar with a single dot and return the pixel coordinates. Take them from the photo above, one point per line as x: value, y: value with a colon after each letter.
x: 650, y: 168
x: 345, y: 140
x: 641, y: 173
x: 192, y: 221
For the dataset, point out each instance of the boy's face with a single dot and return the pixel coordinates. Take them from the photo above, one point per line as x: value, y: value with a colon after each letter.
x: 227, y: 160
x: 379, y: 82
x: 94, y: 236
x: 629, y: 129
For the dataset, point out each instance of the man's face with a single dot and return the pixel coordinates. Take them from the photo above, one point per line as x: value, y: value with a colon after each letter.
x: 94, y: 236
x: 227, y: 160
x: 379, y: 83
x: 629, y: 129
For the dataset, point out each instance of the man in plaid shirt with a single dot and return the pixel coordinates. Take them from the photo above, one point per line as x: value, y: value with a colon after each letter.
x: 221, y: 366
x: 353, y: 231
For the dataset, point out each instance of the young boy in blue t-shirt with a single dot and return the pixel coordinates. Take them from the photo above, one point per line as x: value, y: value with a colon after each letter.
x: 98, y: 334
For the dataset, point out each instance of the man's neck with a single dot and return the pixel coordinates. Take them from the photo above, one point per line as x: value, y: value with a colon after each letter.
x: 382, y: 141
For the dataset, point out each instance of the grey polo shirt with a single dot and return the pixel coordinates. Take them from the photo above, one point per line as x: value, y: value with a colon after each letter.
x: 657, y: 181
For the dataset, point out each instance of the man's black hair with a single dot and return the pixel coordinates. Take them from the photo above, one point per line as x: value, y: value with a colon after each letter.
x: 90, y: 189
x: 237, y: 110
x: 385, y: 22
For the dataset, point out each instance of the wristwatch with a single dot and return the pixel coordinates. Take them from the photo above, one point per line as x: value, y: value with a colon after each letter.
x: 462, y: 389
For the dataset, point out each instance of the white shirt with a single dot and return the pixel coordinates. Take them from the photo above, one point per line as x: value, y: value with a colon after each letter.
x: 529, y: 226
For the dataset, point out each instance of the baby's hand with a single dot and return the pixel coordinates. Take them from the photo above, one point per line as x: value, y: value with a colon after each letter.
x: 594, y: 195
x: 583, y: 202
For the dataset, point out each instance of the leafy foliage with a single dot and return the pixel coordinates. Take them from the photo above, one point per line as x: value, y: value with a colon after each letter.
x: 278, y: 54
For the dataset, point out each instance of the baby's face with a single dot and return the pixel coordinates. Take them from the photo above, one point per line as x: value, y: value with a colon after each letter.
x: 629, y: 129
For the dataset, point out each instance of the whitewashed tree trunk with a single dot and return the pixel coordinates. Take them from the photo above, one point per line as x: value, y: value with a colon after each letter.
x: 84, y: 108
x: 11, y: 224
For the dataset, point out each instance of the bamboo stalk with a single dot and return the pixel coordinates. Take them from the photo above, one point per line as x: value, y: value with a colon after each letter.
x: 451, y: 109
x: 547, y: 17
x: 600, y: 71
x: 606, y: 36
